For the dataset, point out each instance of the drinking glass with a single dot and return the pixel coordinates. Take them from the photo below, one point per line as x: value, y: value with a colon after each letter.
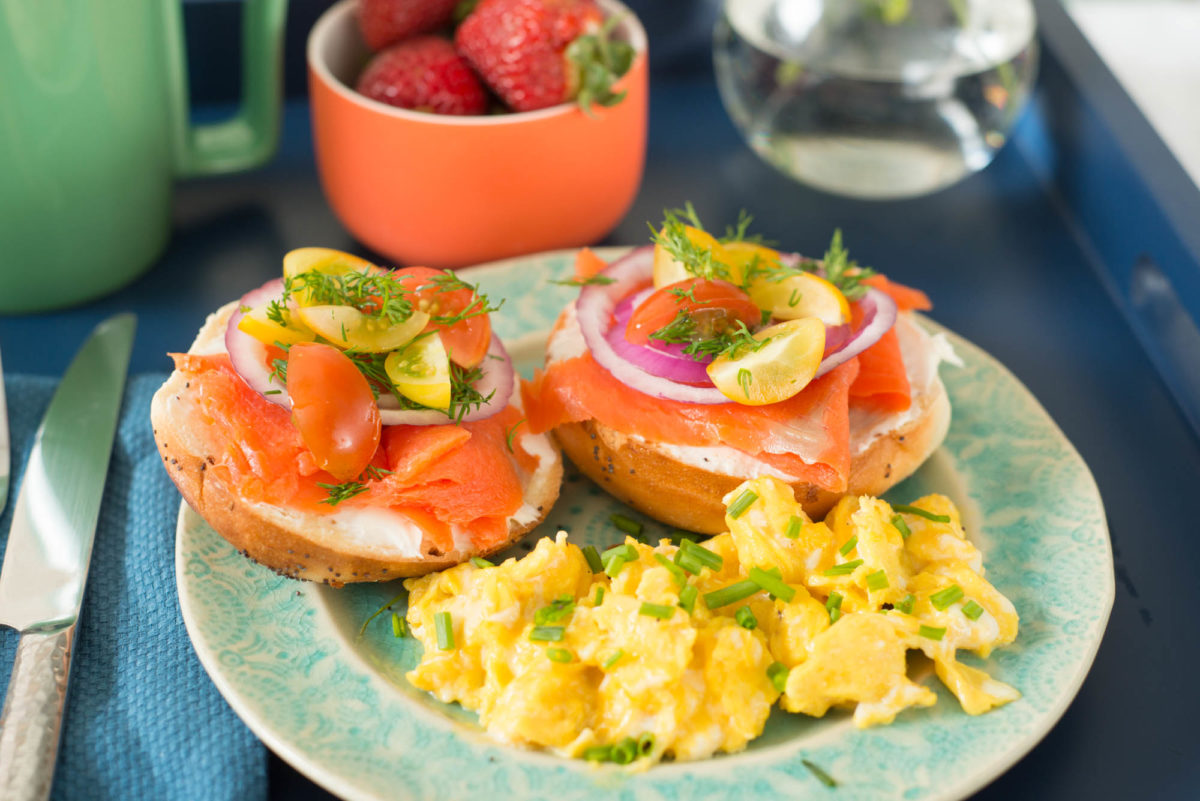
x: 875, y: 98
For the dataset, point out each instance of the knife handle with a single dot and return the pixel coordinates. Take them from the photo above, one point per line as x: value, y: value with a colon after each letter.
x: 32, y: 717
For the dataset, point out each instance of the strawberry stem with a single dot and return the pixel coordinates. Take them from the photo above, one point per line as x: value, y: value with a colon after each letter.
x: 601, y: 61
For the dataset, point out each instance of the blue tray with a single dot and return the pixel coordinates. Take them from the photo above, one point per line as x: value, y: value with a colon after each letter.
x: 1074, y: 259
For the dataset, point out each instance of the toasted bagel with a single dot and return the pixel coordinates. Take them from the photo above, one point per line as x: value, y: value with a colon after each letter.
x: 346, y: 545
x: 687, y: 492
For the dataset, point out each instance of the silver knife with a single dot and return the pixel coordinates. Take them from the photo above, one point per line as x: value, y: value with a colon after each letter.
x: 49, y: 547
x: 4, y: 459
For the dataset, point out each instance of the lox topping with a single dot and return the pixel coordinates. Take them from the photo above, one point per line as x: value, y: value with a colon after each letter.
x: 709, y: 341
x: 347, y: 383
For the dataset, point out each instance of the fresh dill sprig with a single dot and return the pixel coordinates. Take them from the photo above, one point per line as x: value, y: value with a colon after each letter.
x: 449, y: 281
x: 738, y: 231
x: 594, y: 280
x: 673, y: 237
x: 336, y: 493
x: 731, y: 341
x: 464, y: 398
x: 842, y: 271
x: 508, y: 437
x: 380, y: 295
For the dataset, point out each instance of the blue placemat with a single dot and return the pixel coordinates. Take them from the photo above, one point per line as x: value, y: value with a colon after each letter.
x: 143, y: 720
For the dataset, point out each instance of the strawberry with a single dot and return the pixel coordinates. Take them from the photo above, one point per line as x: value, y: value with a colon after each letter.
x: 424, y: 73
x: 385, y: 22
x: 538, y: 53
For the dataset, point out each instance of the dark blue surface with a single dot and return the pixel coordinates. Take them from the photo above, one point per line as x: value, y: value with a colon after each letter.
x: 1019, y: 259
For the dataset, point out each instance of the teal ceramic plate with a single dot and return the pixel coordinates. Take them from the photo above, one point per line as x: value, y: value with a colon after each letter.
x: 288, y: 658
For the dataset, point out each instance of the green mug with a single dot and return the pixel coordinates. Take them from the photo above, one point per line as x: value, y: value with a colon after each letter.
x: 93, y: 130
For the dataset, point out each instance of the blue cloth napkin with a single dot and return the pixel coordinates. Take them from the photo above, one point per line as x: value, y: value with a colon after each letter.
x: 143, y: 720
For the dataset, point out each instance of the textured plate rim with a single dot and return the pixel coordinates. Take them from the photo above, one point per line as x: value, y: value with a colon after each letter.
x: 337, y: 783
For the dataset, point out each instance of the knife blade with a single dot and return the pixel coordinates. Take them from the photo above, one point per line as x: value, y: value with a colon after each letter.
x: 49, y: 548
x: 4, y: 447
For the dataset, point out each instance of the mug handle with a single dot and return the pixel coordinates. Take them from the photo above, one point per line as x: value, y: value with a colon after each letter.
x: 249, y: 138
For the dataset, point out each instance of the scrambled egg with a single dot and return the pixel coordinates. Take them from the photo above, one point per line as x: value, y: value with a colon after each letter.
x: 628, y: 662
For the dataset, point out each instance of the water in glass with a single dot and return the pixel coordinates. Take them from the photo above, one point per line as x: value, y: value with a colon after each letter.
x: 875, y: 98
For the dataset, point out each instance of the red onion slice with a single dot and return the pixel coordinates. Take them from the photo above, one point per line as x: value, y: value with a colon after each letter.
x: 594, y: 311
x: 249, y: 358
x: 879, y: 315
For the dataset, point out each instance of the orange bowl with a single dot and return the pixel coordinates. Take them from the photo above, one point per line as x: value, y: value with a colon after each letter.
x: 449, y: 191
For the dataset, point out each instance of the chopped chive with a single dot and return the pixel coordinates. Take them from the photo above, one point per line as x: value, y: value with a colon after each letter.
x: 625, y: 751
x: 399, y: 629
x: 599, y: 595
x: 547, y: 633
x: 627, y: 524
x: 612, y: 659
x: 444, y: 627
x: 645, y: 744
x: 919, y: 512
x: 844, y: 569
x: 745, y: 618
x: 901, y: 526
x: 741, y: 503
x: 613, y: 568
x: 833, y: 605
x: 778, y: 672
x: 772, y: 584
x: 593, y: 558
x: 675, y: 570
x: 687, y: 598
x: 943, y: 598
x: 481, y: 563
x: 848, y: 545
x: 972, y: 610
x: 660, y: 611
x: 559, y: 608
x: 623, y: 551
x: 560, y: 655
x: 932, y: 632
x: 688, y: 562
x: 793, y: 527
x: 877, y: 580
x: 711, y: 560
x: 906, y: 605
x: 738, y: 591
x: 598, y: 753
x: 823, y: 777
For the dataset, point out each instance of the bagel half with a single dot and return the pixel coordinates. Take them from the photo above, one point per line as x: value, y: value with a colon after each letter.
x: 348, y: 544
x: 687, y: 493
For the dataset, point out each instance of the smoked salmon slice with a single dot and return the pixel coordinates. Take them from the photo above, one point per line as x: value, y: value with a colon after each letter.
x: 907, y: 298
x: 882, y: 380
x: 438, y: 476
x: 806, y: 436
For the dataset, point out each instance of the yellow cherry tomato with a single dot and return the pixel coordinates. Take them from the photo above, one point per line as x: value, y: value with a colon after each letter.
x: 257, y: 324
x: 786, y: 362
x: 350, y: 329
x: 801, y: 295
x: 421, y: 372
x: 669, y: 270
x: 323, y: 260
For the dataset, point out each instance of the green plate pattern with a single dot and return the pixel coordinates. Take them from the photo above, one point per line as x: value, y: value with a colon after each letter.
x: 289, y: 659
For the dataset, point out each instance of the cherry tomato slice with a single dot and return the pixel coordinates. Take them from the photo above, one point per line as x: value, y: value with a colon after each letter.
x: 333, y: 408
x: 714, y: 306
x: 467, y: 340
